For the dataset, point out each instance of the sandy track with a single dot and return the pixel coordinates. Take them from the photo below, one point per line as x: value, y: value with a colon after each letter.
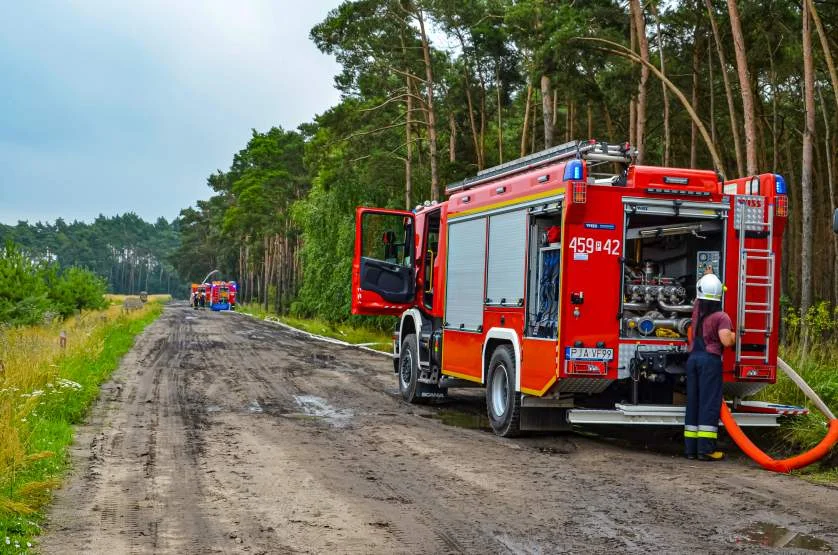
x: 223, y: 434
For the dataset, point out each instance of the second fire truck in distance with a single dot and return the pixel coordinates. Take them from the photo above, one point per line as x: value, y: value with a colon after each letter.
x: 564, y: 282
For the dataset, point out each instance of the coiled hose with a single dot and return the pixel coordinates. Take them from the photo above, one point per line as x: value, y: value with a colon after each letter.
x: 786, y: 465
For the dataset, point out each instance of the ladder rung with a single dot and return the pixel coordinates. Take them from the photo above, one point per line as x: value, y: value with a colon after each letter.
x: 751, y: 357
x: 759, y: 257
x: 756, y: 284
x: 751, y: 330
x: 757, y: 251
x: 755, y: 311
x: 757, y: 276
x: 755, y: 304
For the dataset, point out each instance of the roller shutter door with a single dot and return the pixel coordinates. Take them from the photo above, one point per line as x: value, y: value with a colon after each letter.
x: 465, y: 275
x: 507, y: 257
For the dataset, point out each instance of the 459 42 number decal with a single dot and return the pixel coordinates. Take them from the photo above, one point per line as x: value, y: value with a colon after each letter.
x: 589, y: 245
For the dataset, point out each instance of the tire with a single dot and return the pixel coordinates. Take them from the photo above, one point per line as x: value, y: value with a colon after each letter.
x: 408, y: 375
x: 503, y: 403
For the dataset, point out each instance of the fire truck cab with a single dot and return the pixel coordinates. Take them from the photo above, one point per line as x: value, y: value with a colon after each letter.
x: 563, y: 283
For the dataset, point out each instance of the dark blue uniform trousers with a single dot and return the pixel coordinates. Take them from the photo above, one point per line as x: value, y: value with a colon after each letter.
x: 704, y: 402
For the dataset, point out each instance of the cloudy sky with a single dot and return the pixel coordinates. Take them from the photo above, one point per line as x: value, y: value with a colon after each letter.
x: 108, y: 107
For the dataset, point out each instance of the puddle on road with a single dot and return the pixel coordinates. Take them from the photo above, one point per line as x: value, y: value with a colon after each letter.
x: 458, y: 419
x: 319, y: 408
x: 767, y: 534
x: 254, y: 407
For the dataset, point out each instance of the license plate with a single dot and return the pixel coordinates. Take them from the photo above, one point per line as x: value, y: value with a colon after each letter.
x: 588, y: 353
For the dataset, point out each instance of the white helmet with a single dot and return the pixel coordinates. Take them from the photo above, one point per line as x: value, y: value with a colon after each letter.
x: 709, y: 287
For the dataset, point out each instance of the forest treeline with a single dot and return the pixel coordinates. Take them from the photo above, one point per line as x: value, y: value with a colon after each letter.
x: 130, y: 254
x: 434, y: 91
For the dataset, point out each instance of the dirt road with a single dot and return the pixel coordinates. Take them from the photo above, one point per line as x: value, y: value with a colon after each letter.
x: 221, y: 433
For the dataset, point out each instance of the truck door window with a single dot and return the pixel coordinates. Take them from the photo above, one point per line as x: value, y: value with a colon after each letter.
x: 431, y: 249
x: 387, y: 237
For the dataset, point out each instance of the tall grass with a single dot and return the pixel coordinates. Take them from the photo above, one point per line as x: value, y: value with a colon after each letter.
x: 45, y: 388
x: 810, y: 347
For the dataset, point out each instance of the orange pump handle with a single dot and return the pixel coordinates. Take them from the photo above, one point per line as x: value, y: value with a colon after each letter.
x: 786, y: 465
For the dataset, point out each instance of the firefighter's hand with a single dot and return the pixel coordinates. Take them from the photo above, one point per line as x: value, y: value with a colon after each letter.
x: 708, y: 270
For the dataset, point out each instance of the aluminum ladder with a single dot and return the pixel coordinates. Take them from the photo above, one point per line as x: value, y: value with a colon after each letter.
x: 755, y: 306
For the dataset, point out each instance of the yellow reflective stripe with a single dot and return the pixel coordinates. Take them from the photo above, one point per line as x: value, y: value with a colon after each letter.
x: 708, y: 435
x: 690, y: 433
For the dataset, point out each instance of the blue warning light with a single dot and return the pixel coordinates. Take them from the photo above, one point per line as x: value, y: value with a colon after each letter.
x: 573, y: 170
x: 779, y: 184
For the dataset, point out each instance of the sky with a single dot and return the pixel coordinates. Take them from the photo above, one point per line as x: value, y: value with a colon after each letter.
x: 109, y: 107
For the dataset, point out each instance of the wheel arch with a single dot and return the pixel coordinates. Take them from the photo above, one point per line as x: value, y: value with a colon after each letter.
x: 411, y: 322
x: 496, y: 337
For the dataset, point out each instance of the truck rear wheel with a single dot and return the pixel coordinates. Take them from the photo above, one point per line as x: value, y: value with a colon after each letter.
x: 503, y: 403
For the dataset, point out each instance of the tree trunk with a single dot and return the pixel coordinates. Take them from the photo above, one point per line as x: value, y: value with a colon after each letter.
x: 806, y: 171
x: 452, y: 138
x: 609, y: 124
x: 532, y: 121
x: 408, y: 137
x: 640, y: 28
x: 633, y: 102
x: 745, y: 86
x: 711, y: 86
x: 482, y: 113
x: 475, y: 137
x: 590, y: 120
x: 547, y: 109
x: 731, y: 108
x: 525, y: 128
x: 693, y: 129
x: 666, y: 134
x: 827, y: 53
x: 429, y: 85
x: 827, y: 139
x: 500, y: 114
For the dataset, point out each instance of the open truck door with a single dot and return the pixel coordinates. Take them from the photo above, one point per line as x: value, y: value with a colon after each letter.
x: 383, y: 270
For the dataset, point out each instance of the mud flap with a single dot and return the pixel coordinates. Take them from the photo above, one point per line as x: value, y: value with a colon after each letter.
x: 544, y: 419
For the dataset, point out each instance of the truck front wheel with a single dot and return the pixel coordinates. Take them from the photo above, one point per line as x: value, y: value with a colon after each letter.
x: 409, y: 385
x: 412, y: 390
x: 502, y: 401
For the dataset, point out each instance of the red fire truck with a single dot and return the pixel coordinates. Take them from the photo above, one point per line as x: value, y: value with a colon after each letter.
x: 563, y: 283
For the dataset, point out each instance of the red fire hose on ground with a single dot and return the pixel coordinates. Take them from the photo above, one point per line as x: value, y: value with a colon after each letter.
x: 786, y: 465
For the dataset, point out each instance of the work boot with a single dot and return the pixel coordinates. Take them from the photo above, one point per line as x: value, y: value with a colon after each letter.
x: 714, y: 456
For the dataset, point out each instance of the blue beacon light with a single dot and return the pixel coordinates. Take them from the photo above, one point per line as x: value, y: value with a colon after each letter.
x: 780, y: 184
x: 573, y: 170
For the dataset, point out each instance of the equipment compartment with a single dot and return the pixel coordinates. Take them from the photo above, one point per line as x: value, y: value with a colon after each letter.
x: 664, y: 257
x: 544, y: 271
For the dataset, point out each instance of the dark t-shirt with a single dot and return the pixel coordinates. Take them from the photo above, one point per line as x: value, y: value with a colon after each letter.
x: 710, y: 332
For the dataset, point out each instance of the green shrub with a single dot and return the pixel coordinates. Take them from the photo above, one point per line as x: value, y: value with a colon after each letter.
x: 23, y: 290
x: 77, y: 289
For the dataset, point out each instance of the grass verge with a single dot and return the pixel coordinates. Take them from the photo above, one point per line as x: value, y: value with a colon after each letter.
x: 372, y: 338
x: 819, y: 367
x: 44, y: 391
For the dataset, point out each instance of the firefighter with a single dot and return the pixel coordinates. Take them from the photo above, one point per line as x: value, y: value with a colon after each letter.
x: 711, y: 333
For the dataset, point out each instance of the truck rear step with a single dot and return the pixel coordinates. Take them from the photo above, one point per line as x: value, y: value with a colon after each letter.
x: 746, y: 414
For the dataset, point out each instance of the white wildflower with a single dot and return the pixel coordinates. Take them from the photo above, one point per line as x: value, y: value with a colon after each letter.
x: 63, y: 382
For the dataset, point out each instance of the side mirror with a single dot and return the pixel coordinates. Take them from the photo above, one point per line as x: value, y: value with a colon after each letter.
x: 835, y: 221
